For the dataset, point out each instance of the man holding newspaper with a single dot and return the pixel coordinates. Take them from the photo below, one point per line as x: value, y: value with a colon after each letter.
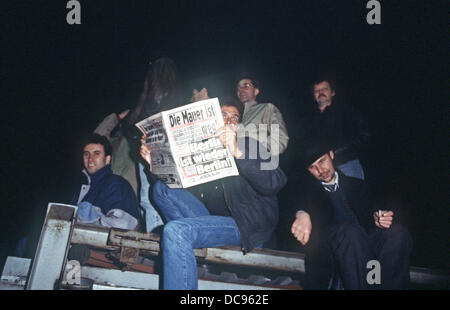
x: 239, y: 210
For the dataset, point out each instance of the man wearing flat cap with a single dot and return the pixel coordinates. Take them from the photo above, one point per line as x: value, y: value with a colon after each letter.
x: 344, y: 232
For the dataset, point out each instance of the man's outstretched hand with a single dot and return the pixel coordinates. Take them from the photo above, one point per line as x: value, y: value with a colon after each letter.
x: 302, y: 226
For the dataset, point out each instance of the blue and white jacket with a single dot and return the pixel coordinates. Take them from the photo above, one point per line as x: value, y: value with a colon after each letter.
x: 106, y: 193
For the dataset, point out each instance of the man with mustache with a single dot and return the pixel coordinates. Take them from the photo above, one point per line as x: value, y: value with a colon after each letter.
x: 343, y: 230
x: 340, y: 124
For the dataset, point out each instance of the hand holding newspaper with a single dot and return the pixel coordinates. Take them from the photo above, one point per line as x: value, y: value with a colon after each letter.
x: 145, y: 150
x: 184, y: 148
x: 228, y: 136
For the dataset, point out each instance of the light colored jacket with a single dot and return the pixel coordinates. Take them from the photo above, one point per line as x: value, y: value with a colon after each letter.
x: 256, y: 114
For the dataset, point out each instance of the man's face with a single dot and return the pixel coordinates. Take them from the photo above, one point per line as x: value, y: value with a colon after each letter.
x: 246, y: 91
x: 323, y: 169
x: 230, y: 115
x: 323, y: 94
x: 94, y: 157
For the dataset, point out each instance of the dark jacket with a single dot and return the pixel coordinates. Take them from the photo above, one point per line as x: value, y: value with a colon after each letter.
x: 342, y: 126
x: 251, y: 198
x: 320, y: 208
x: 109, y: 191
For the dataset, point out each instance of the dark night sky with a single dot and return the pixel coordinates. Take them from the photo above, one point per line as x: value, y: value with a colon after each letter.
x: 59, y: 81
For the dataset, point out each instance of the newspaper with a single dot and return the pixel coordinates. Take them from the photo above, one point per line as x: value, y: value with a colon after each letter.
x: 184, y: 148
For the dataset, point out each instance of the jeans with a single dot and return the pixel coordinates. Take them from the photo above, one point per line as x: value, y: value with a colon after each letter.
x: 190, y: 226
x: 150, y: 214
x: 352, y: 168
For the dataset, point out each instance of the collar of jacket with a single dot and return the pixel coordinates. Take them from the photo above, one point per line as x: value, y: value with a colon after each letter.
x: 327, y: 110
x: 248, y: 105
x: 94, y: 178
x: 335, y: 184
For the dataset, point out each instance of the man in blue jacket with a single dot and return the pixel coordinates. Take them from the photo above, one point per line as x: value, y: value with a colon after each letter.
x: 233, y: 211
x: 104, y: 198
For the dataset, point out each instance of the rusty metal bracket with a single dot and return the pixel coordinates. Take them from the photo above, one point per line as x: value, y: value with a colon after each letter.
x: 128, y: 255
x: 134, y: 239
x: 131, y: 242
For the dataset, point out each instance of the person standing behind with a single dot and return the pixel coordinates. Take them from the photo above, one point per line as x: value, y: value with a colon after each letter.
x: 339, y: 123
x: 158, y: 95
x: 256, y: 114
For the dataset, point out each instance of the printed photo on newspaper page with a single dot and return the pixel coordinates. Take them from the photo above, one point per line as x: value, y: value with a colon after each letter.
x: 196, y: 150
x: 161, y: 160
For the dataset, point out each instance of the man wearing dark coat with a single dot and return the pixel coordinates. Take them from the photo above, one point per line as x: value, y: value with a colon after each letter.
x: 104, y: 198
x: 345, y: 234
x: 341, y: 124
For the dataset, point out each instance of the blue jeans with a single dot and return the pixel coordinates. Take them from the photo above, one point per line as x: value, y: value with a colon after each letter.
x: 352, y: 168
x: 152, y: 217
x: 189, y: 227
